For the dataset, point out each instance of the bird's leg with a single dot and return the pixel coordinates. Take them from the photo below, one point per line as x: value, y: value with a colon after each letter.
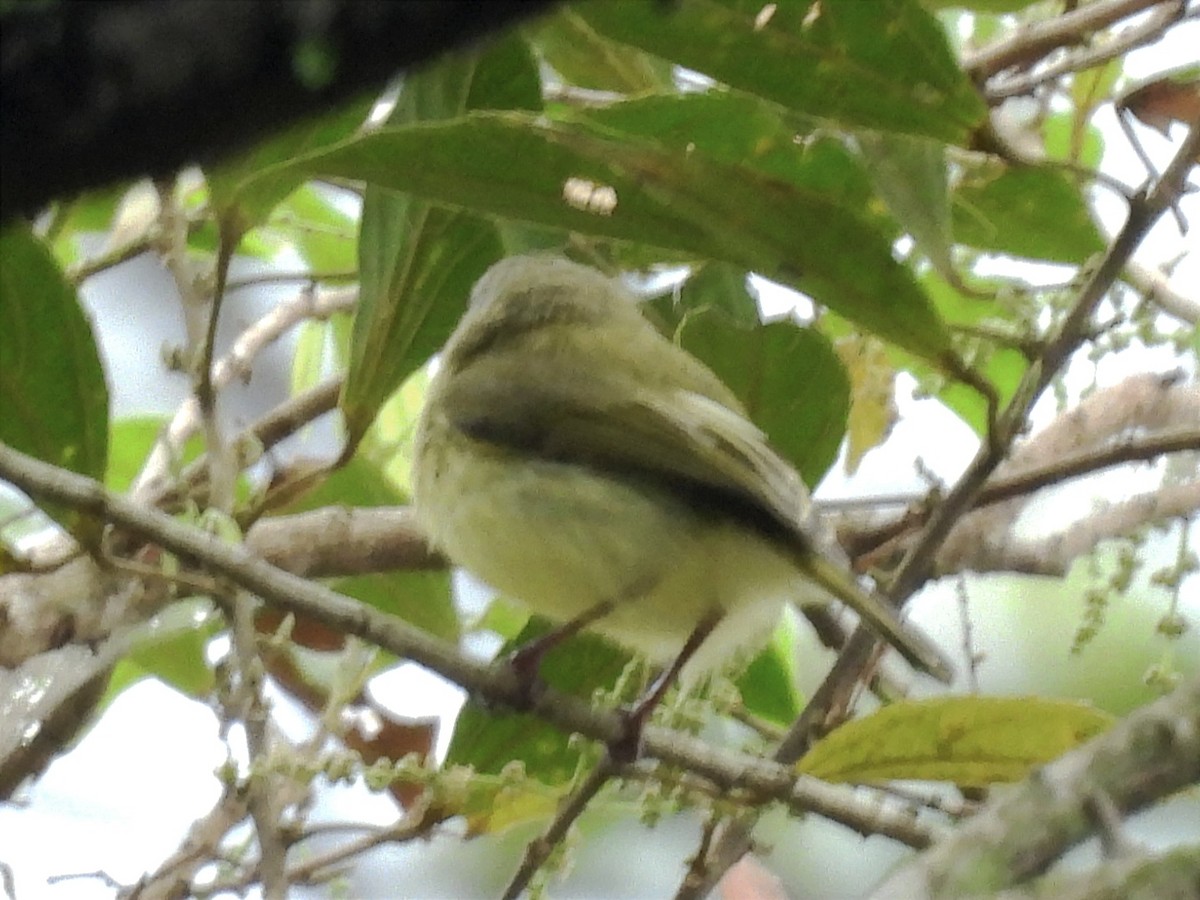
x: 626, y: 748
x: 526, y: 660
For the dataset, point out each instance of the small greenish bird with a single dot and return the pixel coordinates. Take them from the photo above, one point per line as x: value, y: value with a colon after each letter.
x: 578, y: 461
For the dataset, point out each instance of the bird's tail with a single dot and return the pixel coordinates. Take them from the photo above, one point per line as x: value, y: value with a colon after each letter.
x: 914, y: 646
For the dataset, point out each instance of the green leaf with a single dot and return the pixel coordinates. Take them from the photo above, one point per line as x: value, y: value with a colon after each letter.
x: 585, y: 59
x: 768, y: 685
x: 745, y: 131
x: 1063, y: 142
x: 1002, y: 366
x: 516, y: 165
x: 308, y: 361
x: 883, y: 65
x: 130, y: 442
x: 54, y: 395
x: 492, y: 804
x: 417, y: 262
x: 788, y: 378
x: 310, y: 221
x: 1034, y: 213
x: 970, y: 741
x: 910, y: 175
x: 488, y: 739
x: 419, y: 598
x: 91, y: 212
x: 173, y: 647
x: 711, y: 286
x: 241, y: 201
x: 1092, y: 87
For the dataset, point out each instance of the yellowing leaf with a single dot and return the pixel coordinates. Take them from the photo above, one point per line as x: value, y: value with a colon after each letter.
x: 493, y: 804
x: 971, y: 741
x: 872, y: 397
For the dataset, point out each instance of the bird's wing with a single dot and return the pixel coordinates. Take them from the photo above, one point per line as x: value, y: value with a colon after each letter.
x: 619, y: 423
x: 612, y: 422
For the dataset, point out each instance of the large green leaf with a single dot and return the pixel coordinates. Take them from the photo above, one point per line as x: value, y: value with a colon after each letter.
x: 53, y: 396
x: 745, y: 131
x: 417, y: 261
x: 1029, y: 212
x: 883, y: 64
x: 518, y: 165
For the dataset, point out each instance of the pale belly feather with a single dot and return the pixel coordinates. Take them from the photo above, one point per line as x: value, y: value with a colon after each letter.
x: 561, y: 539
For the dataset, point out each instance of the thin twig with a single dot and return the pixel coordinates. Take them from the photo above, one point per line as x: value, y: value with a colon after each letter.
x: 308, y: 277
x: 254, y: 712
x: 269, y: 328
x: 1146, y: 32
x: 1086, y: 462
x: 1156, y: 287
x: 541, y: 847
x: 1037, y: 40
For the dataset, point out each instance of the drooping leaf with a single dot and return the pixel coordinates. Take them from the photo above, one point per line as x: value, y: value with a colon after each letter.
x: 585, y: 59
x: 910, y: 175
x: 53, y: 394
x: 1166, y: 98
x: 417, y: 262
x: 873, y: 410
x: 884, y: 64
x: 970, y: 741
x: 241, y: 201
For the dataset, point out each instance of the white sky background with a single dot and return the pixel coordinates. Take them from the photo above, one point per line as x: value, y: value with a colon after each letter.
x: 125, y: 798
